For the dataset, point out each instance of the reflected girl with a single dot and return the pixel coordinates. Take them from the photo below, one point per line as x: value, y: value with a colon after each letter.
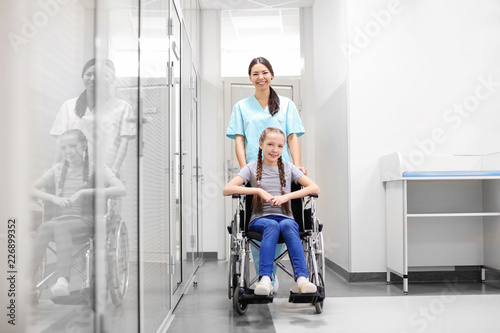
x: 74, y: 201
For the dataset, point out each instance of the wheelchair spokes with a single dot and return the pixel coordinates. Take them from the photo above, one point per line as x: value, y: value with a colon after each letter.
x: 118, y: 262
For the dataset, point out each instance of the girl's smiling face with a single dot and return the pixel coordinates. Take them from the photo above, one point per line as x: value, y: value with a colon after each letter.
x: 72, y: 149
x: 272, y: 148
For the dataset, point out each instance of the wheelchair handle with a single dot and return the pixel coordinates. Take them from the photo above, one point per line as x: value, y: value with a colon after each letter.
x: 236, y: 196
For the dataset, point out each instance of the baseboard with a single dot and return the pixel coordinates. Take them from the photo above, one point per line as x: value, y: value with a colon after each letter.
x: 355, y: 277
x: 209, y: 255
x: 459, y: 274
x: 337, y: 269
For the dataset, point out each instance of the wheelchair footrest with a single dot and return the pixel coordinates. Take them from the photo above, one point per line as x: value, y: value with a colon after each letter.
x: 76, y: 297
x: 250, y: 298
x: 317, y: 297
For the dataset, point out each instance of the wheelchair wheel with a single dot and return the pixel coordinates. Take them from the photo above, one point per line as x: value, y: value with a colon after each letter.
x: 231, y: 281
x: 320, y: 284
x: 39, y: 280
x: 118, y: 261
x: 239, y: 307
x: 88, y: 290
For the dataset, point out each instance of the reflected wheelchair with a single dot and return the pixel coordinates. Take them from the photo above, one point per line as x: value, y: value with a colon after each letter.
x: 310, y: 231
x: 117, y: 263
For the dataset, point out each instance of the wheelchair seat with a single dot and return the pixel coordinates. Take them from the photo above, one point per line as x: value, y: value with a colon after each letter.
x: 301, y: 216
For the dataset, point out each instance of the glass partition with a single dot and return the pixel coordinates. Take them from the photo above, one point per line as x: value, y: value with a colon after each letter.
x: 118, y: 259
x: 188, y: 170
x: 100, y: 160
x: 155, y: 166
x: 83, y: 248
x: 60, y: 99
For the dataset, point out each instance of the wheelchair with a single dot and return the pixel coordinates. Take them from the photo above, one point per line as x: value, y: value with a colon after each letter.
x: 117, y: 263
x: 240, y: 239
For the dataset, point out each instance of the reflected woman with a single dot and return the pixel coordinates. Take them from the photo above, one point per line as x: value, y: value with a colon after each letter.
x: 113, y: 131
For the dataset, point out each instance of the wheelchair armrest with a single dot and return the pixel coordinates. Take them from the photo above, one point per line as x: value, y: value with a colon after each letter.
x: 236, y: 196
x: 314, y: 195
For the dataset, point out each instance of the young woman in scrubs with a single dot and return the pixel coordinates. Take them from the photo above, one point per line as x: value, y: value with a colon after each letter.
x: 252, y: 115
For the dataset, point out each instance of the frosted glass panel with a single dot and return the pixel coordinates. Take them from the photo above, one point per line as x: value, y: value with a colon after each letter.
x: 273, y: 34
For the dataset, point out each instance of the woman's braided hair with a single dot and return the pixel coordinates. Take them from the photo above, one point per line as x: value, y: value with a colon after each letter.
x: 258, y: 203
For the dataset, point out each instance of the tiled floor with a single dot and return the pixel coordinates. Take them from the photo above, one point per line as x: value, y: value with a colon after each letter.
x: 356, y: 307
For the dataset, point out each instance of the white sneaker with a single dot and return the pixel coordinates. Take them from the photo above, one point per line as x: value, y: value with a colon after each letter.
x: 60, y: 288
x: 264, y: 287
x: 308, y: 288
x: 276, y: 284
x: 304, y: 286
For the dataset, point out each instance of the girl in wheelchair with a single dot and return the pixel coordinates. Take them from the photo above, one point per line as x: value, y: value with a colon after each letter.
x: 271, y: 180
x: 73, y: 201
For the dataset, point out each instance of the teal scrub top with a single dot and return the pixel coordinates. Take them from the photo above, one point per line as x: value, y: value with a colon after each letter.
x: 249, y: 119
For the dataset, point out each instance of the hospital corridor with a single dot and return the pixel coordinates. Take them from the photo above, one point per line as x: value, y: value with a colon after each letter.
x: 250, y: 166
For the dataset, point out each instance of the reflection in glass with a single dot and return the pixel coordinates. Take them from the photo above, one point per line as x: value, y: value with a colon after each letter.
x: 113, y: 131
x: 96, y: 78
x: 72, y: 218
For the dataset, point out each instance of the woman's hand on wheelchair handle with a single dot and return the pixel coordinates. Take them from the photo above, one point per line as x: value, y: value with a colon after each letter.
x: 303, y: 169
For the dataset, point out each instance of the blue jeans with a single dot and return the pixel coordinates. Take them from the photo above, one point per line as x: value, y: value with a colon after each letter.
x: 61, y: 232
x: 270, y: 227
x: 280, y: 248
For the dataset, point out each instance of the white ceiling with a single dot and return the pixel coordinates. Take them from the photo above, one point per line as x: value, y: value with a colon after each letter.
x: 254, y: 4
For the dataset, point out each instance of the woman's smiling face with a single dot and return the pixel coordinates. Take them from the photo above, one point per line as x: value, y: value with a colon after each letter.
x: 261, y: 76
x: 89, y: 77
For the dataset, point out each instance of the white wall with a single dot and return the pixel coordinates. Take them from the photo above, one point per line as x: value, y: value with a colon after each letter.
x: 407, y: 75
x: 307, y: 114
x: 212, y: 132
x: 379, y: 76
x: 327, y: 95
